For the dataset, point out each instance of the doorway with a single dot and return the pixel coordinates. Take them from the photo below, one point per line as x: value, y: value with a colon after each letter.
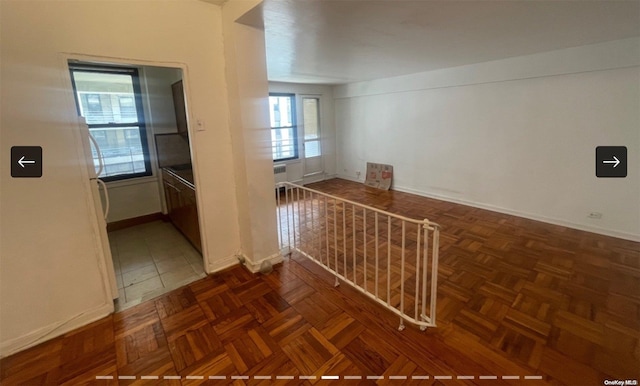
x: 312, y: 143
x: 140, y: 147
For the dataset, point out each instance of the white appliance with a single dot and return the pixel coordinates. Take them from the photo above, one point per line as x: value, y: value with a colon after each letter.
x: 101, y: 206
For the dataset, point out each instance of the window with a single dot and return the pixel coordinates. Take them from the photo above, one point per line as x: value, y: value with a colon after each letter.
x: 127, y: 107
x: 311, y: 117
x: 284, y: 139
x: 109, y: 99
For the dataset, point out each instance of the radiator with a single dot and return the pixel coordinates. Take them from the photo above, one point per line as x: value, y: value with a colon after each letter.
x: 280, y: 173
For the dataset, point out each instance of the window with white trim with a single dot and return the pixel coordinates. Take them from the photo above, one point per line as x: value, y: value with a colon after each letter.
x: 109, y: 99
x: 284, y: 137
x: 311, y: 118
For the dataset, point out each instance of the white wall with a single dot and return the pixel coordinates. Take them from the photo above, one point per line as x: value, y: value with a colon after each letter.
x: 516, y: 135
x: 250, y: 136
x: 295, y: 168
x: 51, y: 276
x: 134, y: 198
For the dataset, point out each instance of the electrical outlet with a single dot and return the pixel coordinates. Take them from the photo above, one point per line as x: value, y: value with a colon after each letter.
x: 358, y: 175
x: 595, y: 215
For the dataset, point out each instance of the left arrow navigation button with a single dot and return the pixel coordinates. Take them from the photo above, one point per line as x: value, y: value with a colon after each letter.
x: 23, y: 161
x: 26, y: 161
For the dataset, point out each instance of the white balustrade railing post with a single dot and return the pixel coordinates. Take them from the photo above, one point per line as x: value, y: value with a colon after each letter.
x: 425, y: 257
x: 279, y: 215
x: 364, y: 245
x: 434, y: 274
x: 402, y: 265
x: 417, y: 291
x: 344, y: 237
x: 388, y: 260
x: 353, y: 237
x: 335, y: 238
x: 375, y: 219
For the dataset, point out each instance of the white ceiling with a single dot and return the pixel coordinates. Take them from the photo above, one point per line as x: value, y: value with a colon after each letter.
x: 333, y: 42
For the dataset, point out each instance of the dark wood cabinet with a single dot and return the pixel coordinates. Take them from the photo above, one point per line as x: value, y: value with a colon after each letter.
x: 180, y: 108
x: 182, y: 207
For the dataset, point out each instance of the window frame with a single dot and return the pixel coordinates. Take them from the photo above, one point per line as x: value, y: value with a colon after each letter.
x: 294, y: 127
x: 140, y: 124
x: 318, y: 119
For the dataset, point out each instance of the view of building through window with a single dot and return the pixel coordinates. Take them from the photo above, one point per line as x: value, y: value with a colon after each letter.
x: 283, y: 129
x: 311, y: 117
x: 108, y: 100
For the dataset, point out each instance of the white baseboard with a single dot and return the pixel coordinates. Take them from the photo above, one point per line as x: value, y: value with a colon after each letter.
x: 53, y: 330
x: 348, y: 178
x: 222, y: 264
x: 254, y: 266
x: 531, y: 216
x: 317, y: 177
x: 314, y: 178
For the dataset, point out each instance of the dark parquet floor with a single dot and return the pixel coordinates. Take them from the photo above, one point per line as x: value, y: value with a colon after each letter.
x: 519, y: 302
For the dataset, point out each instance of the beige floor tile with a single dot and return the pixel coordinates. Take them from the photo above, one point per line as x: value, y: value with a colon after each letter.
x: 182, y: 283
x: 156, y: 227
x: 119, y: 280
x: 133, y: 248
x: 123, y: 306
x: 167, y: 244
x: 163, y: 239
x: 171, y: 264
x: 133, y: 262
x: 137, y: 291
x: 198, y: 268
x: 185, y: 281
x: 160, y: 254
x: 121, y: 301
x: 116, y: 263
x: 152, y: 259
x: 156, y: 293
x: 179, y: 275
x: 193, y: 256
x: 139, y: 275
x: 125, y: 239
x: 113, y: 246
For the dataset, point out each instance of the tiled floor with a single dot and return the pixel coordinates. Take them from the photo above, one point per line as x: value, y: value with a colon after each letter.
x: 152, y: 259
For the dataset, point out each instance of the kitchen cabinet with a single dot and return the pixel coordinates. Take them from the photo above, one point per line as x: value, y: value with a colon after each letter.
x: 177, y: 91
x: 182, y: 206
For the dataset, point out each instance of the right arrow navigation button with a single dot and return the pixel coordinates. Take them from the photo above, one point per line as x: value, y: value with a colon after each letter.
x: 611, y: 161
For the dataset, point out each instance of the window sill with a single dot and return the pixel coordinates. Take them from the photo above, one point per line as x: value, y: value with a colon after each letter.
x: 287, y: 162
x: 132, y: 181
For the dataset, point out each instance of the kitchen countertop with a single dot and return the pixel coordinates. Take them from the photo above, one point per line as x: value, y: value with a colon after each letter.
x: 184, y: 174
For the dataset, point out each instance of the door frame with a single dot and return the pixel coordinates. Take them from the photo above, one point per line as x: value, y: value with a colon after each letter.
x: 107, y: 270
x: 300, y: 98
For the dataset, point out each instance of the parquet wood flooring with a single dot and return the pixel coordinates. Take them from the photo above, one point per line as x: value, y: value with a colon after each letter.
x: 519, y: 302
x: 524, y: 287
